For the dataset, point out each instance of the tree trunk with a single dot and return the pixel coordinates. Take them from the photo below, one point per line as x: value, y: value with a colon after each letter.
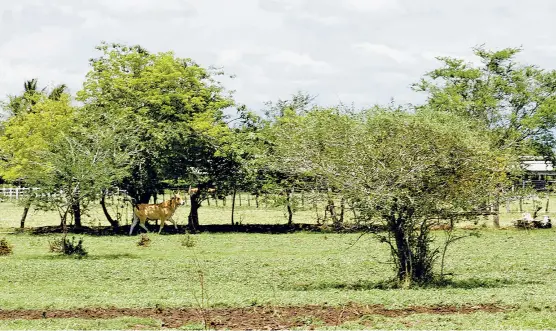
x: 76, y: 207
x: 342, y: 210
x: 289, y: 206
x: 193, y: 218
x: 144, y: 197
x: 547, y: 202
x: 496, y: 210
x: 403, y: 251
x: 76, y: 211
x: 332, y: 209
x: 257, y: 199
x: 233, y: 205
x: 113, y: 223
x: 496, y: 218
x: 25, y: 211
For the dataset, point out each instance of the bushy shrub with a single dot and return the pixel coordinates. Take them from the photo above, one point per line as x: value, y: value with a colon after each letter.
x: 68, y: 247
x: 188, y: 241
x: 145, y: 241
x: 5, y: 247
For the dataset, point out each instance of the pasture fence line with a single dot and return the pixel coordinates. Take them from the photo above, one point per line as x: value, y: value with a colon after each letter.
x: 15, y: 193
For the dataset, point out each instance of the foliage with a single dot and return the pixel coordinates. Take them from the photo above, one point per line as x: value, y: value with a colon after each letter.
x: 144, y: 241
x: 24, y: 103
x: 27, y: 137
x: 68, y: 247
x: 172, y: 106
x: 515, y: 102
x: 188, y: 241
x: 279, y: 175
x: 406, y: 171
x: 66, y: 153
x: 5, y: 247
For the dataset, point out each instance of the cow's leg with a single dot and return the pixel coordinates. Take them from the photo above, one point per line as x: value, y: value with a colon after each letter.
x: 171, y: 219
x: 162, y: 221
x: 142, y: 224
x: 135, y: 221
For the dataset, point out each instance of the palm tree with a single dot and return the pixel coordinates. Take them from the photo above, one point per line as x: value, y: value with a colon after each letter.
x: 19, y: 104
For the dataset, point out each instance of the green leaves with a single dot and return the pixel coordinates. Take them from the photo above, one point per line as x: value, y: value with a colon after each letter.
x: 173, y: 108
x: 28, y: 136
x: 515, y: 102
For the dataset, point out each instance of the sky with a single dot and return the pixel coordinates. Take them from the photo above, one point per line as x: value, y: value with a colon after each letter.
x: 360, y: 52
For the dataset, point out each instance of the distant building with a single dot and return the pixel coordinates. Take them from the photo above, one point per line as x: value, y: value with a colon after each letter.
x: 538, y: 172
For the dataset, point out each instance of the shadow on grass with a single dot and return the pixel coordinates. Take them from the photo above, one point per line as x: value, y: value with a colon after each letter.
x: 471, y: 283
x: 55, y: 256
x: 212, y: 228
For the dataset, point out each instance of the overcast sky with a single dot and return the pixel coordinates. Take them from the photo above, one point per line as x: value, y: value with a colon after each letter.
x: 360, y: 51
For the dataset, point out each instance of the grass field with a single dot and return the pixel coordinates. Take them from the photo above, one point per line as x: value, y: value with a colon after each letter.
x: 514, y: 270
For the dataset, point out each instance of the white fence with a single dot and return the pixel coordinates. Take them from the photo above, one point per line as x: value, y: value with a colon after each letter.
x: 14, y: 192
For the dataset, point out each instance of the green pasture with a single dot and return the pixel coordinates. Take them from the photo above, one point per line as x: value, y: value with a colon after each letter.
x: 509, y: 267
x: 513, y: 268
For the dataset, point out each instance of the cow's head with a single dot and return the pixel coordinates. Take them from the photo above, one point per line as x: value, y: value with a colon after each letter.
x: 178, y: 199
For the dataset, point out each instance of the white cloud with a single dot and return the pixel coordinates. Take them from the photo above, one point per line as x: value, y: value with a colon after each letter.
x: 229, y: 57
x: 36, y: 46
x: 383, y: 50
x: 359, y: 50
x: 373, y: 5
x: 142, y: 6
x: 94, y: 19
x: 300, y: 60
x: 324, y: 20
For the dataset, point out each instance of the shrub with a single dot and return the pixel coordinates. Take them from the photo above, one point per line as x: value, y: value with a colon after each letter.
x: 68, y: 247
x: 188, y: 241
x: 5, y: 247
x: 145, y: 241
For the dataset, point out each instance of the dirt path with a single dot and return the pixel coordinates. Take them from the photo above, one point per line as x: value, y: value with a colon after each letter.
x: 250, y: 318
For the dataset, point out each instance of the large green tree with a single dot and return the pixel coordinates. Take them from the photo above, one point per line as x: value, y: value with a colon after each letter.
x: 172, y: 105
x: 515, y: 102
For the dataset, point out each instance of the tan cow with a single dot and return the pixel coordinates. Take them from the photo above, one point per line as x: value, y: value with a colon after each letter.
x: 161, y: 211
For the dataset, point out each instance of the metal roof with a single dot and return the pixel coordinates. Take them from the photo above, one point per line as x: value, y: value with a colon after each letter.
x: 538, y: 166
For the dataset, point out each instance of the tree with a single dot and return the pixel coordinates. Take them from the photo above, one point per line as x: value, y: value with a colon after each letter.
x: 84, y: 163
x: 56, y: 148
x: 172, y: 105
x: 515, y: 103
x: 404, y: 172
x: 20, y: 104
x: 281, y: 176
x: 27, y: 135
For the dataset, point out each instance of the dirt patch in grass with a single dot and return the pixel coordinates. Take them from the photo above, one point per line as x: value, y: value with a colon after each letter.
x: 266, y: 317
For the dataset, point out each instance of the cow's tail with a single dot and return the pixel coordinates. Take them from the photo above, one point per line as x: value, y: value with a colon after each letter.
x: 132, y: 201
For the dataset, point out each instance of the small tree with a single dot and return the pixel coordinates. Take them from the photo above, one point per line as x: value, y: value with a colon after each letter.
x: 69, y: 156
x: 406, y: 172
